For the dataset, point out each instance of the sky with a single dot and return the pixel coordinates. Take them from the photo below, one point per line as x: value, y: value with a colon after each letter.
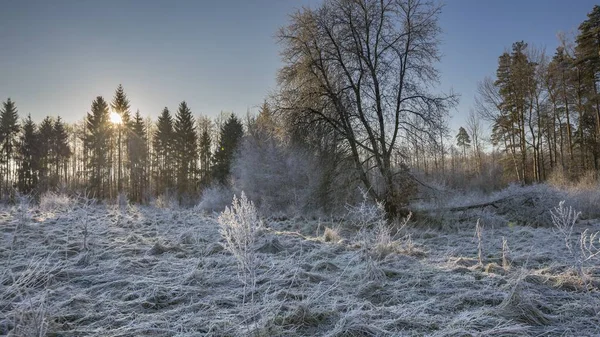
x: 57, y: 56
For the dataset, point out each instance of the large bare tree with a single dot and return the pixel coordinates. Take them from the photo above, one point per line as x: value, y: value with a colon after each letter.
x: 365, y: 69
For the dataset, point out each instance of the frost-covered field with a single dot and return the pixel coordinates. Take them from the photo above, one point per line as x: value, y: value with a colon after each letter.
x: 145, y: 271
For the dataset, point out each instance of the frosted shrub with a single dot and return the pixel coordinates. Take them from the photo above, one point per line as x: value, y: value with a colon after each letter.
x: 215, y: 199
x: 366, y: 214
x: 590, y: 245
x: 383, y: 242
x: 239, y: 225
x: 564, y: 218
x: 50, y: 202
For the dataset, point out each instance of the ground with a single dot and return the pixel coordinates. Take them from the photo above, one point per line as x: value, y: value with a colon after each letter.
x: 105, y: 270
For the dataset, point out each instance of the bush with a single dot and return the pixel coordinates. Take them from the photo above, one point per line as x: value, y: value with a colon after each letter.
x: 51, y: 202
x: 367, y: 214
x: 215, y: 199
x: 240, y: 226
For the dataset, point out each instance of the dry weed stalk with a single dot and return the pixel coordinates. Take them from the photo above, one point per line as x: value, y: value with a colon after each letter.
x: 479, y: 234
x: 505, y: 252
x: 564, y: 219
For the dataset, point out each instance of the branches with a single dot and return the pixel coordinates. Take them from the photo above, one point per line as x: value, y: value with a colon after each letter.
x: 364, y: 68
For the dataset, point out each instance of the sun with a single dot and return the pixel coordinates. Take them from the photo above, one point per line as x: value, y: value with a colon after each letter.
x: 115, y: 118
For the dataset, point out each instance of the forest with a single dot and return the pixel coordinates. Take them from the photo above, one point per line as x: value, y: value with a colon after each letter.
x: 543, y: 111
x: 346, y: 206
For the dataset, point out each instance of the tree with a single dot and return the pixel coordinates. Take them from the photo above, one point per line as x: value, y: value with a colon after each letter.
x: 475, y: 131
x: 164, y: 146
x: 46, y: 154
x: 9, y: 129
x: 97, y: 145
x: 138, y: 158
x: 205, y: 127
x: 363, y: 69
x: 186, y: 149
x: 61, y: 149
x: 229, y: 138
x: 120, y: 105
x: 27, y: 173
x: 587, y: 55
x: 463, y: 140
x: 515, y: 86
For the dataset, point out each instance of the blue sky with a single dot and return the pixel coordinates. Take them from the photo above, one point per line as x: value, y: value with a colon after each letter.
x: 57, y: 56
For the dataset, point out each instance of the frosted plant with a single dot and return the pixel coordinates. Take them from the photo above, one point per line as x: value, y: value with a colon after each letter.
x: 590, y: 245
x: 366, y: 214
x: 505, y: 254
x: 53, y: 202
x: 384, y: 243
x: 332, y: 234
x: 240, y: 225
x: 86, y: 204
x: 564, y: 218
x: 479, y: 235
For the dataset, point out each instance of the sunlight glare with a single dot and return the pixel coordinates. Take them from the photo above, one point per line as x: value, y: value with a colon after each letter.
x: 115, y: 118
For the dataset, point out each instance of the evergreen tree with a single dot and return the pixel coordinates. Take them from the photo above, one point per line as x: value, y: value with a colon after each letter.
x: 138, y: 158
x: 463, y: 140
x: 186, y: 149
x: 46, y: 154
x: 9, y: 129
x: 97, y: 146
x: 120, y: 105
x: 265, y: 122
x: 163, y: 145
x: 27, y: 176
x: 205, y: 144
x: 230, y: 135
x: 515, y: 79
x: 61, y: 149
x: 587, y: 54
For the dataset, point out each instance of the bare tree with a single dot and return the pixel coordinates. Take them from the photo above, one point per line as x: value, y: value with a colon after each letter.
x: 364, y: 69
x: 474, y: 130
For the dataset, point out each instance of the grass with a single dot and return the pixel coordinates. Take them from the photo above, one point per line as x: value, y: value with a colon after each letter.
x: 164, y: 272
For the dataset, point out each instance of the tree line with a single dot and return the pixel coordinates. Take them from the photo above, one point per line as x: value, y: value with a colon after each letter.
x: 355, y: 105
x: 114, y: 151
x: 545, y: 110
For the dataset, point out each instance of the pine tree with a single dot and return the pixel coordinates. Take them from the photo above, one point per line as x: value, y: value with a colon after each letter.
x: 138, y: 158
x: 587, y: 54
x: 163, y: 145
x: 61, y: 149
x: 46, y: 154
x: 265, y: 122
x: 229, y: 138
x: 463, y: 140
x: 204, y: 145
x: 97, y: 145
x: 515, y: 76
x: 27, y: 173
x: 9, y: 129
x: 120, y: 105
x: 186, y: 149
